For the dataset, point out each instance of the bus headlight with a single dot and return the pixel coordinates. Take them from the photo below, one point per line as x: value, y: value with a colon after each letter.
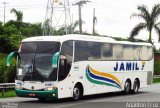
x: 50, y: 88
x: 18, y: 87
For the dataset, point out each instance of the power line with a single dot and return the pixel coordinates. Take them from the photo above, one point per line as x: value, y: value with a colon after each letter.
x: 111, y: 6
x: 26, y: 5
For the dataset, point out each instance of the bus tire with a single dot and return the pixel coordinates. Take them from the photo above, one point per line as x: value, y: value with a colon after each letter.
x: 135, y: 86
x: 127, y: 87
x: 77, y: 92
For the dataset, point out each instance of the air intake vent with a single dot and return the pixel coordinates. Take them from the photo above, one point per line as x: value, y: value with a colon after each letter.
x: 149, y: 78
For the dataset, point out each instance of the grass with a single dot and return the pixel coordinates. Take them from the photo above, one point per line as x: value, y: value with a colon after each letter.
x: 10, y: 93
x: 156, y: 80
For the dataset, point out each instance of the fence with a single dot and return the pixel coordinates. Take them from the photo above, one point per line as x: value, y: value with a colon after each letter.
x: 4, y: 86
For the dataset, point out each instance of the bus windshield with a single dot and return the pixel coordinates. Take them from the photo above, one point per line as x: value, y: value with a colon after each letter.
x: 36, y: 61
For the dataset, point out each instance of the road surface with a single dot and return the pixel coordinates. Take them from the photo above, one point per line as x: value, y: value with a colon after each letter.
x: 146, y: 98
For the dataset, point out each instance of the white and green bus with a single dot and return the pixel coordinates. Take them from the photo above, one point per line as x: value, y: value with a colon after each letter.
x: 80, y: 65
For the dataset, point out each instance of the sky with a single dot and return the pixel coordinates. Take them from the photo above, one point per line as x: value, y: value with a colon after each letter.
x: 113, y: 16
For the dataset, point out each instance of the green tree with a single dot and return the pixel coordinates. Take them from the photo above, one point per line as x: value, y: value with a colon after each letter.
x: 149, y: 21
x: 71, y: 29
x: 47, y: 28
x: 5, y: 44
x: 1, y: 29
x: 10, y: 30
x: 29, y: 29
x: 37, y: 29
x: 73, y: 26
x: 19, y: 17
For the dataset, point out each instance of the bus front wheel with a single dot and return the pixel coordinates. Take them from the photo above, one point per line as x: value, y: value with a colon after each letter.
x: 76, y: 93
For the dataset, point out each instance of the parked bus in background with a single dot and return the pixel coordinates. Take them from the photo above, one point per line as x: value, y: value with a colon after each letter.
x: 80, y: 65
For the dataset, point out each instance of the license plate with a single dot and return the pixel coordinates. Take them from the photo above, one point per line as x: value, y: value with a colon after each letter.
x: 32, y: 95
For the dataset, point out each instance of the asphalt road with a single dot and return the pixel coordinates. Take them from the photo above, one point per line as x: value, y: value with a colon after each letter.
x: 146, y: 98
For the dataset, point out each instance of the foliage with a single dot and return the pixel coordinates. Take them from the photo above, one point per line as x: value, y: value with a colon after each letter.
x: 10, y: 30
x: 5, y: 44
x: 7, y: 74
x: 19, y: 18
x: 156, y: 80
x: 29, y: 29
x: 1, y: 29
x: 8, y: 93
x: 150, y: 21
x: 9, y: 43
x: 157, y: 67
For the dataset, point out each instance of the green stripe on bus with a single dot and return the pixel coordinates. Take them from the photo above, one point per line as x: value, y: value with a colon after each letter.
x: 9, y: 57
x: 99, y: 82
x: 55, y: 59
x: 38, y: 94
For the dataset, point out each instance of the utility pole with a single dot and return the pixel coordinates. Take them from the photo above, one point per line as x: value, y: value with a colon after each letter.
x: 80, y: 3
x: 94, y: 21
x: 4, y: 3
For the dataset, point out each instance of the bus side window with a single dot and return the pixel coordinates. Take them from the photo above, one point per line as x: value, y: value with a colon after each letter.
x: 94, y: 51
x: 81, y: 51
x: 136, y: 52
x: 117, y: 52
x: 65, y: 59
x: 128, y: 52
x: 150, y: 53
x: 143, y: 54
x: 106, y: 52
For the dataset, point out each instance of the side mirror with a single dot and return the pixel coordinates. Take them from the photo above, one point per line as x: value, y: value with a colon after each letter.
x: 10, y: 56
x: 63, y: 64
x: 55, y: 59
x: 63, y: 60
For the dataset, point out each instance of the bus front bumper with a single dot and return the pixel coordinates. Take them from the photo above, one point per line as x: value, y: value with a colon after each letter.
x: 37, y: 93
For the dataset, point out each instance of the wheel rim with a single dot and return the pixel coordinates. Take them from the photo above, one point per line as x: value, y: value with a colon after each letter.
x: 127, y: 87
x: 76, y: 93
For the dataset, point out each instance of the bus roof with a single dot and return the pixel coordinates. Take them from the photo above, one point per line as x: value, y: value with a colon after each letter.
x: 82, y: 37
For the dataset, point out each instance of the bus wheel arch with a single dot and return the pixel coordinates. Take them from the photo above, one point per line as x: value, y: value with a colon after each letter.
x: 127, y: 86
x: 138, y: 82
x: 78, y: 91
x: 136, y: 86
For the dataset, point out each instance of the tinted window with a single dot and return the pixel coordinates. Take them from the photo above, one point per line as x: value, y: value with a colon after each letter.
x: 143, y: 53
x: 94, y: 51
x: 43, y: 60
x: 106, y: 52
x: 28, y: 47
x: 67, y: 56
x: 128, y: 52
x: 150, y: 53
x: 38, y: 55
x: 85, y: 50
x: 81, y: 51
x: 48, y: 47
x: 136, y: 52
x: 117, y: 52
